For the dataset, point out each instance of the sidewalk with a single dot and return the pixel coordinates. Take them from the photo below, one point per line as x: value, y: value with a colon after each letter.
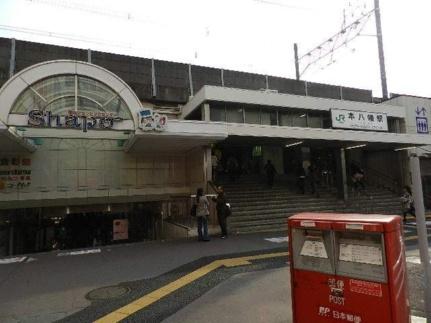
x: 53, y: 285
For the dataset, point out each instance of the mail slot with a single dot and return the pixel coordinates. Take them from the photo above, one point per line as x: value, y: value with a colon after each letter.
x: 348, y: 268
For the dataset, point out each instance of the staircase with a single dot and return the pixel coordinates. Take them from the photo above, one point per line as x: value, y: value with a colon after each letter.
x: 257, y: 208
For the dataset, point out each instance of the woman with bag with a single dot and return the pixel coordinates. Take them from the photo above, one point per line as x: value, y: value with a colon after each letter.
x: 407, y: 203
x: 202, y: 213
x: 223, y: 211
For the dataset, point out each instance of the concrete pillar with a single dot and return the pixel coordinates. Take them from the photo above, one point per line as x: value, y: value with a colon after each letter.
x: 341, y: 174
x: 205, y: 112
x: 207, y: 166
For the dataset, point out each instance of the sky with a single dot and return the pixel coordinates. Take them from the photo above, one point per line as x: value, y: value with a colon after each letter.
x: 245, y: 35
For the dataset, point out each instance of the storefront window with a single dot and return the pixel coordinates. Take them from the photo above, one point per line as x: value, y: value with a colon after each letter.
x: 60, y: 94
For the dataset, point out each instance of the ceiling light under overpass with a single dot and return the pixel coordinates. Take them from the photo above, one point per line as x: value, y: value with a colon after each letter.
x: 353, y: 147
x: 294, y: 144
x: 405, y: 148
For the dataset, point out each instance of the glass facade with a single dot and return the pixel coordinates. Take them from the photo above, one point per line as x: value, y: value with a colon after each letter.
x: 60, y: 94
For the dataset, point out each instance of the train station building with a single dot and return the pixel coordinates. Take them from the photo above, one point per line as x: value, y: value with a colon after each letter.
x: 99, y: 148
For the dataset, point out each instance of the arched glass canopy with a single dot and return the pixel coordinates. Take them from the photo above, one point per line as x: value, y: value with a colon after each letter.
x: 63, y: 93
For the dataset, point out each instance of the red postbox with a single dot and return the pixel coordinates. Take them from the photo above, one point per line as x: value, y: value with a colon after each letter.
x: 348, y: 268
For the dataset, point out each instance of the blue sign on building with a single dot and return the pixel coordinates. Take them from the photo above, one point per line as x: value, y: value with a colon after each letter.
x: 422, y: 124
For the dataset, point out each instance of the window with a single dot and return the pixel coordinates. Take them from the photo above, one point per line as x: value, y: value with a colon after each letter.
x: 299, y: 119
x: 252, y: 115
x: 60, y: 94
x: 314, y: 120
x: 269, y: 117
x: 284, y: 119
x: 235, y: 114
x: 217, y: 112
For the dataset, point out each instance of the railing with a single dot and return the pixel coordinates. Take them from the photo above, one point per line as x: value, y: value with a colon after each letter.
x: 174, y: 230
x: 380, y: 179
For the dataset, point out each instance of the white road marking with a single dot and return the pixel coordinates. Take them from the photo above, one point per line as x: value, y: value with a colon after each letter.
x: 278, y: 239
x: 78, y: 252
x: 30, y: 259
x: 13, y: 260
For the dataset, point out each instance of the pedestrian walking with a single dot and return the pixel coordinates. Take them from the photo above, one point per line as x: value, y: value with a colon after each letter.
x: 407, y: 203
x: 313, y: 177
x: 270, y: 172
x: 223, y: 211
x: 300, y: 178
x: 232, y: 168
x: 202, y: 212
x: 357, y: 177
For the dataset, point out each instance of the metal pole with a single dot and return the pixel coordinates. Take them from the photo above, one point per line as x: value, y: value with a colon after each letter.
x: 295, y: 48
x: 421, y: 229
x: 380, y: 47
x: 344, y: 174
x: 12, y: 58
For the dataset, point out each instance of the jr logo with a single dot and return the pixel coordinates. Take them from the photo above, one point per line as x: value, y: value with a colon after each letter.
x: 341, y: 118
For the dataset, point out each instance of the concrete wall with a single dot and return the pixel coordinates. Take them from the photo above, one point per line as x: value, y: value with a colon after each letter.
x: 172, y: 79
x: 411, y: 104
x: 196, y: 174
x: 83, y: 169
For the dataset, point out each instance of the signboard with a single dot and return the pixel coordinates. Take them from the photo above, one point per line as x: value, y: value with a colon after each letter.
x: 15, y: 173
x: 149, y: 121
x: 84, y: 120
x: 120, y: 229
x: 421, y: 120
x: 359, y: 120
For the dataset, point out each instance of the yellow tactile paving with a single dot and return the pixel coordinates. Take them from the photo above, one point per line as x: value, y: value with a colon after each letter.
x: 161, y: 292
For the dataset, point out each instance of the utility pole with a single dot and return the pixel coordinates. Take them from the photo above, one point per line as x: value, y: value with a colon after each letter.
x: 295, y: 49
x: 380, y: 48
x: 421, y: 229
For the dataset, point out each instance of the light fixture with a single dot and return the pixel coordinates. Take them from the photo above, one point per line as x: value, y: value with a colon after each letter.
x: 302, y: 115
x: 405, y: 148
x: 294, y: 144
x: 67, y: 210
x: 109, y: 207
x: 353, y: 147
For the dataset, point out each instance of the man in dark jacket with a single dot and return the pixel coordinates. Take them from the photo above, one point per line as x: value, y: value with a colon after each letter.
x: 270, y: 172
x: 223, y: 211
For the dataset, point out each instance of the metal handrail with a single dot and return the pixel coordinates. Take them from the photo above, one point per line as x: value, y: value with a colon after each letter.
x: 382, y: 178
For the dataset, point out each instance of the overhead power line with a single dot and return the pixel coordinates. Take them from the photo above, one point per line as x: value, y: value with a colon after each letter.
x: 342, y: 38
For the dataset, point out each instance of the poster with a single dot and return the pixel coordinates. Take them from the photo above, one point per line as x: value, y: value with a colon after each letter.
x: 314, y: 249
x: 371, y: 255
x: 120, y: 229
x: 15, y: 172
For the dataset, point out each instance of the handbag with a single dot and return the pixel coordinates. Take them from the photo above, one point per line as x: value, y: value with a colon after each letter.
x: 228, y: 210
